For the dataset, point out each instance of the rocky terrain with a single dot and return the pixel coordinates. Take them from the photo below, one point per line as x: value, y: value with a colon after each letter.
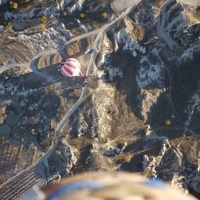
x: 140, y: 111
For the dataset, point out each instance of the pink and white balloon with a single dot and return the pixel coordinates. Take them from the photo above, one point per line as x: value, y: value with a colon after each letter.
x: 70, y: 68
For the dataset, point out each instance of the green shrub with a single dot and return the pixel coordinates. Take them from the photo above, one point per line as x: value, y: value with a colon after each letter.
x: 2, y: 138
x: 104, y: 15
x: 13, y: 4
x: 8, y: 27
x: 43, y: 19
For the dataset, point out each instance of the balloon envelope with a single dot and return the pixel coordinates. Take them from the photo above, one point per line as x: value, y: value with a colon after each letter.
x: 71, y: 67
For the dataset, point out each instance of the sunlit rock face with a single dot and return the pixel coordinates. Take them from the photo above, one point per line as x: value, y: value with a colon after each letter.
x: 135, y: 109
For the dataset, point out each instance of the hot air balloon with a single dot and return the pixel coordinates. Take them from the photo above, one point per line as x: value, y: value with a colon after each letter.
x: 70, y: 68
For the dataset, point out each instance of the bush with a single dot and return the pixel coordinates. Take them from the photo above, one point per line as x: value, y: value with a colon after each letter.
x: 9, y: 27
x: 13, y: 4
x: 2, y: 138
x: 10, y: 4
x: 43, y: 20
x: 167, y: 122
x: 104, y: 15
x: 82, y: 15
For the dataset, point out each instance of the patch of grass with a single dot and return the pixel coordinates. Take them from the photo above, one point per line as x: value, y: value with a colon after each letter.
x: 13, y: 4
